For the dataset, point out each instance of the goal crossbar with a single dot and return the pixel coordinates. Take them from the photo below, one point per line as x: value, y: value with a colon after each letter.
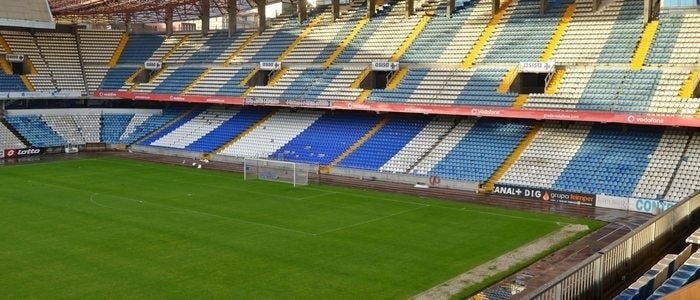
x: 275, y: 170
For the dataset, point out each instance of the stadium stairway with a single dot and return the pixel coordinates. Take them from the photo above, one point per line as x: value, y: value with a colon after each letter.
x: 240, y: 49
x: 277, y: 76
x: 357, y: 144
x: 345, y: 42
x: 27, y: 83
x: 520, y: 101
x: 5, y: 45
x: 644, y: 44
x: 5, y: 66
x: 396, y: 79
x: 174, y: 48
x: 689, y: 85
x: 301, y: 36
x: 155, y: 78
x: 195, y: 81
x: 118, y: 51
x: 485, y: 34
x: 245, y: 132
x: 504, y: 87
x: 558, y: 33
x: 411, y: 37
x: 489, y: 185
x: 554, y: 82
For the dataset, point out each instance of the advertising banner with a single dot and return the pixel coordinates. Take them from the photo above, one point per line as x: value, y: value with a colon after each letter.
x: 15, y: 153
x: 287, y: 102
x: 454, y: 110
x: 543, y: 194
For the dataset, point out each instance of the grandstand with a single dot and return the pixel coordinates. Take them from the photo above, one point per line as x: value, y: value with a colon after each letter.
x: 580, y: 102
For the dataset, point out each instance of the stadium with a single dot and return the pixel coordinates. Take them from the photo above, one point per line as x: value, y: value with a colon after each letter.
x: 355, y: 149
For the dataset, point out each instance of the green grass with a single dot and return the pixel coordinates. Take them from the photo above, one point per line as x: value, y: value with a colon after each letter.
x: 108, y: 227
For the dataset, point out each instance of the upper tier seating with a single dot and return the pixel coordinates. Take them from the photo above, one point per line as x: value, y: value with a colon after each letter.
x: 222, y: 81
x: 677, y: 40
x: 523, y: 32
x: 323, y: 39
x: 647, y: 91
x: 171, y: 80
x: 293, y: 84
x: 447, y: 40
x: 270, y: 44
x: 114, y: 79
x: 62, y: 59
x: 139, y: 48
x: 23, y: 42
x: 95, y: 45
x: 217, y: 47
x: 442, y: 86
x: 609, y: 35
x: 380, y: 37
x: 11, y: 83
x: 334, y: 84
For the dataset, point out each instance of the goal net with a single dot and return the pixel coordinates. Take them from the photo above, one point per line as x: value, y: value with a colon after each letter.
x: 274, y: 170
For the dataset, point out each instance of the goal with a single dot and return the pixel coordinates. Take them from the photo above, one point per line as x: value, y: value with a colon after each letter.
x: 274, y: 170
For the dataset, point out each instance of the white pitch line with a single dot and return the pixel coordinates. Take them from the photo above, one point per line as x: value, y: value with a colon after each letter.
x: 372, y: 220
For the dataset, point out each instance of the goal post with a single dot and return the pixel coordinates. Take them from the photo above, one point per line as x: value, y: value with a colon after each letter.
x: 275, y: 170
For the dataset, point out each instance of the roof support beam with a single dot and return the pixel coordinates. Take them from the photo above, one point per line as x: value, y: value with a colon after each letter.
x: 232, y: 16
x: 370, y: 8
x: 495, y: 5
x: 409, y: 8
x: 336, y: 9
x: 648, y: 8
x: 596, y: 5
x: 169, y: 20
x: 543, y: 6
x: 127, y: 22
x: 261, y: 15
x: 205, y: 6
x: 301, y: 10
x: 451, y: 6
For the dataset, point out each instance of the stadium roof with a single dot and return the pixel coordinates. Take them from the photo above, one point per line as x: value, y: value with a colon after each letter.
x: 142, y: 11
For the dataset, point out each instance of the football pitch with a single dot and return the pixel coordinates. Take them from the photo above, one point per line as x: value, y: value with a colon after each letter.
x: 115, y: 228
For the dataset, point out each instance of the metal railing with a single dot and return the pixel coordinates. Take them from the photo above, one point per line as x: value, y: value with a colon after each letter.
x: 592, y: 278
